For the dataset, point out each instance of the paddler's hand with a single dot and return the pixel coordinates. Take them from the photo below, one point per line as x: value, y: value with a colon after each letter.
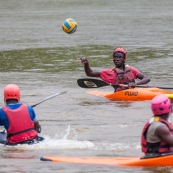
x: 37, y: 126
x: 132, y: 85
x: 84, y: 60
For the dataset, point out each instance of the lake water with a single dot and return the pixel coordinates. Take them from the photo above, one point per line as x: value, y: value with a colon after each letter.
x: 39, y: 57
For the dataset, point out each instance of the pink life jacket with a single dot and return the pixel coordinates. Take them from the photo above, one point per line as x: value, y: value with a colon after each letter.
x: 21, y: 127
x: 159, y: 147
x: 123, y: 77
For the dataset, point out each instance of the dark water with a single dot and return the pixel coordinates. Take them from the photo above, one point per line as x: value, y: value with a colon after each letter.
x: 39, y: 57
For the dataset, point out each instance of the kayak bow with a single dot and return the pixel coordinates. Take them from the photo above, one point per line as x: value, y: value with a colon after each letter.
x: 132, y: 94
x: 160, y: 161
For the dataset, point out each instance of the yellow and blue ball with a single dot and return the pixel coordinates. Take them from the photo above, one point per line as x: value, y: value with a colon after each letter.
x: 69, y: 26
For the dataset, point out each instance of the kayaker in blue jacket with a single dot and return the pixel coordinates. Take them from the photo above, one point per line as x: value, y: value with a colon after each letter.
x: 18, y: 119
x: 120, y: 74
x: 157, y: 134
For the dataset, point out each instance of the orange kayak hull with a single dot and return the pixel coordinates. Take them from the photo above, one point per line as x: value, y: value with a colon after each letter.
x: 116, y: 161
x: 133, y: 94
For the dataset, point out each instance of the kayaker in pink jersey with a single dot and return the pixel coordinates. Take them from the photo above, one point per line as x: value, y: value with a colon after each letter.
x: 18, y: 119
x: 157, y: 134
x: 120, y: 74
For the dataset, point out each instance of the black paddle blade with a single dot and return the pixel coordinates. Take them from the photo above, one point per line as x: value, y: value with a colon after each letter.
x: 91, y: 83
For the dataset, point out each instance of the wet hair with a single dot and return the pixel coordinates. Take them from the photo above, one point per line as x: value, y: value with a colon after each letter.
x: 11, y: 101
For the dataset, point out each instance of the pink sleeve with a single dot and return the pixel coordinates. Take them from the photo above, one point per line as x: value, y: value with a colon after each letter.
x: 108, y: 75
x: 135, y: 71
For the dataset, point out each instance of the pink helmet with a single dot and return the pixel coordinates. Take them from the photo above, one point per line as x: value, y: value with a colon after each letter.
x: 11, y: 91
x: 120, y: 49
x: 161, y: 104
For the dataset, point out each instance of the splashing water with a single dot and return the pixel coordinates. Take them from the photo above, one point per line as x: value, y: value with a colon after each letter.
x: 54, y: 144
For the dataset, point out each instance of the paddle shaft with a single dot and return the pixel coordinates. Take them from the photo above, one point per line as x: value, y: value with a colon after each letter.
x: 96, y: 83
x: 47, y: 98
x: 143, y: 86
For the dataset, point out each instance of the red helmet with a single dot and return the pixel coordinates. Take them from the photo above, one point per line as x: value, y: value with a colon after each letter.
x: 120, y: 49
x: 161, y: 104
x: 11, y: 91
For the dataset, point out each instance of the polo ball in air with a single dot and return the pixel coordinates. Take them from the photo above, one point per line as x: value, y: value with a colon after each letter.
x: 69, y: 26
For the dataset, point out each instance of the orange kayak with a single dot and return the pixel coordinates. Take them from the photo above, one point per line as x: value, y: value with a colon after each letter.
x: 133, y: 94
x: 160, y: 161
